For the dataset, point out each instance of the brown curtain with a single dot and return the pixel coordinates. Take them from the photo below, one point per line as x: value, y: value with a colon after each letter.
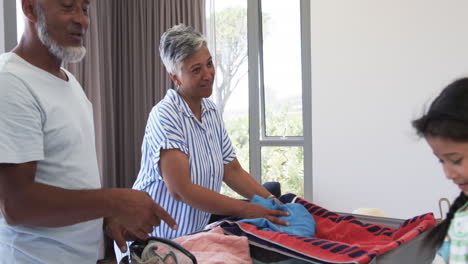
x: 124, y: 77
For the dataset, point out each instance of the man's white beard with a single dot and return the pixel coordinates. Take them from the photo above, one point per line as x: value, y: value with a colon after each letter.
x: 66, y: 54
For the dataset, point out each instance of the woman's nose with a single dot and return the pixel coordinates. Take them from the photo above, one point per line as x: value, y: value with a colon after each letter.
x: 208, y: 74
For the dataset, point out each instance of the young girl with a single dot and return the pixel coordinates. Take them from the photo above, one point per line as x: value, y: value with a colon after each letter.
x: 445, y: 128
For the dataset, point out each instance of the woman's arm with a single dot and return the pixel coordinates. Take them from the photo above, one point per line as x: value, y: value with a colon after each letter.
x: 242, y: 182
x: 174, y: 165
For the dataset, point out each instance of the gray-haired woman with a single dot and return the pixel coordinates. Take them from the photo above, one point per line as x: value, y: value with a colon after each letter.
x: 186, y: 151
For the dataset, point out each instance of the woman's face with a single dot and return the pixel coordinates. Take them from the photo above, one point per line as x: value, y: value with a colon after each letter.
x: 196, y: 76
x: 454, y: 158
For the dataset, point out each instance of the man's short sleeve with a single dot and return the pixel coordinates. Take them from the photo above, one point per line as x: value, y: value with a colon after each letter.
x: 21, y: 134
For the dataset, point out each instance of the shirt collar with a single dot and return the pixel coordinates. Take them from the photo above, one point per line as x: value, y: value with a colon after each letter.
x: 207, y: 105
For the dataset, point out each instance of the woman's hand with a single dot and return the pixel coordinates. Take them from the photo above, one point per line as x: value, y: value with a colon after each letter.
x: 277, y: 201
x: 257, y: 211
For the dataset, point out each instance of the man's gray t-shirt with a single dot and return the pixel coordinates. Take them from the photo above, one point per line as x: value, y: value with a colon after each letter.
x: 46, y: 119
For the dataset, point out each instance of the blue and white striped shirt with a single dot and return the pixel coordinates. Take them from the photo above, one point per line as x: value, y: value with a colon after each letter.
x: 172, y: 125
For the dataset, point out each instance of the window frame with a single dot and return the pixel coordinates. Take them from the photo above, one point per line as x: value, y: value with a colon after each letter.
x: 257, y: 128
x: 9, y: 30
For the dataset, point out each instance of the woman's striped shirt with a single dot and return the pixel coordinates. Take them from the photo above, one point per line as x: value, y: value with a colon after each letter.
x: 172, y: 125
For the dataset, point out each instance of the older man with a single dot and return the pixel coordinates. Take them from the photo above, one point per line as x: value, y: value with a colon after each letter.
x: 51, y: 202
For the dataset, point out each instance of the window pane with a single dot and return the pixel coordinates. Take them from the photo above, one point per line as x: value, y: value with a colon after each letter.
x: 284, y: 165
x: 282, y: 67
x: 19, y: 20
x: 230, y: 91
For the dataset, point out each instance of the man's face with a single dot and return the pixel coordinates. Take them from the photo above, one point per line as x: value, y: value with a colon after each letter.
x: 61, y: 27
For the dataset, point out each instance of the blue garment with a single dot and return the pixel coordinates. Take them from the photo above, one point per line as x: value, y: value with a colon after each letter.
x: 444, y: 250
x: 300, y: 220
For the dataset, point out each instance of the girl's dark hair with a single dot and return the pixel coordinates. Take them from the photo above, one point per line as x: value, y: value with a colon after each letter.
x: 447, y: 117
x: 436, y: 236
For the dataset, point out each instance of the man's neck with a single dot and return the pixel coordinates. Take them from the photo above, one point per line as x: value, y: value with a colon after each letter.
x: 38, y: 55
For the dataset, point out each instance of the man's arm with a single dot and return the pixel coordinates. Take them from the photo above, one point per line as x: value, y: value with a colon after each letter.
x: 25, y: 202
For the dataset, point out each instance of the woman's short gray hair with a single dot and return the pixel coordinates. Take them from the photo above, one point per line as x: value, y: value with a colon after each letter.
x: 177, y: 43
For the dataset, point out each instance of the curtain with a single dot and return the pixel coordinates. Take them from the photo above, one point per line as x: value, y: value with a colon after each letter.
x: 124, y: 77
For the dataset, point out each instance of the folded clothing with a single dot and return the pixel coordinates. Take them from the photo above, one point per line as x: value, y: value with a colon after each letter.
x: 214, y: 247
x: 301, y: 223
x: 338, y: 238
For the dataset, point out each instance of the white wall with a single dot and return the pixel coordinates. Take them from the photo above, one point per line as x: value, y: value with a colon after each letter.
x: 375, y: 64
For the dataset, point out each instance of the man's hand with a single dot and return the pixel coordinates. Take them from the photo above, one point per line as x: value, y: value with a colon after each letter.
x: 138, y: 214
x: 118, y: 233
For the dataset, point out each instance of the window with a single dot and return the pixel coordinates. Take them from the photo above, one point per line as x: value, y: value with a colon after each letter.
x: 19, y: 20
x: 262, y: 55
x: 8, y: 24
x: 228, y: 41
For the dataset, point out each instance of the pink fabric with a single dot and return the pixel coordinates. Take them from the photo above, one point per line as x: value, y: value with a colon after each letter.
x: 214, y: 247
